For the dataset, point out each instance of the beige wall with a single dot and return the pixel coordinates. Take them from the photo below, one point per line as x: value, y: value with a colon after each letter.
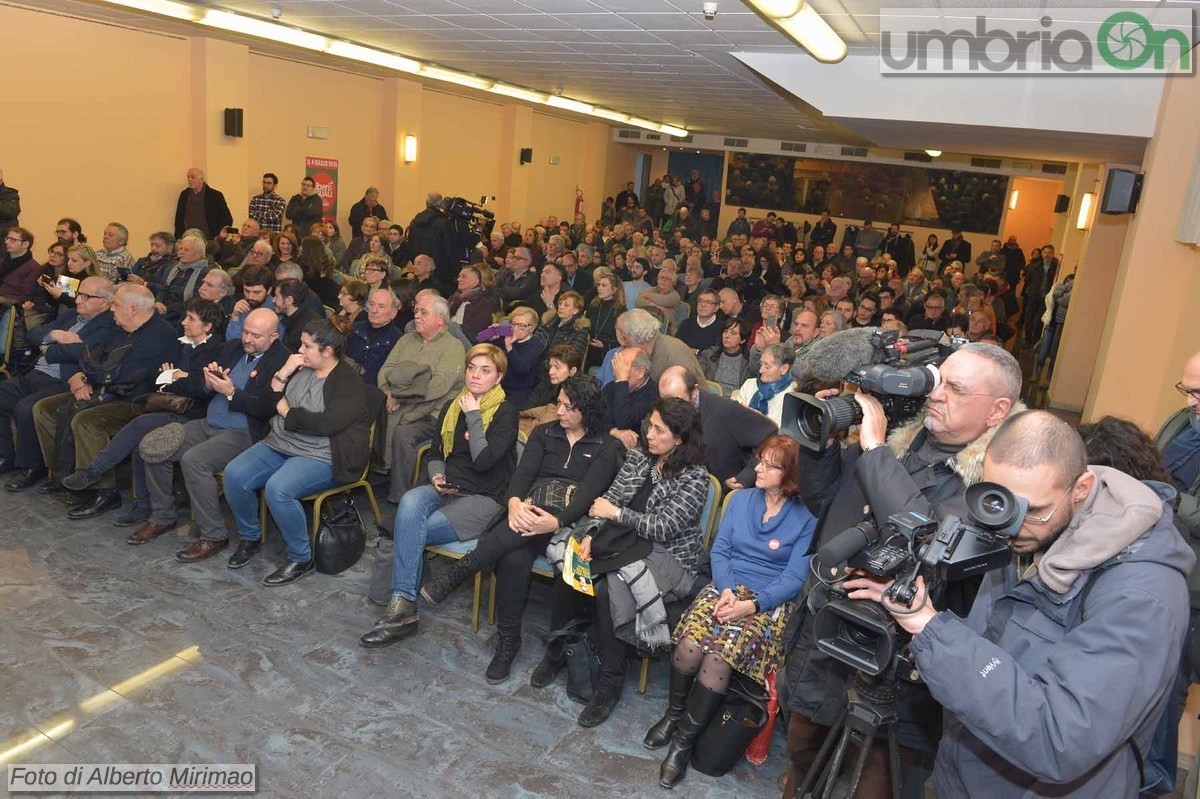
x: 109, y: 136
x: 1032, y: 221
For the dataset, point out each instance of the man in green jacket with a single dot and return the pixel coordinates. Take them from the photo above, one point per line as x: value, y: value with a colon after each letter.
x: 423, y: 372
x: 1179, y: 442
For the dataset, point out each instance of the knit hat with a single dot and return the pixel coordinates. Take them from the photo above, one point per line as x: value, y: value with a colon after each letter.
x: 161, y: 443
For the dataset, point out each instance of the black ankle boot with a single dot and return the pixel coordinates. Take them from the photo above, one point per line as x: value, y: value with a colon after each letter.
x: 399, y: 622
x: 677, y: 694
x: 702, y: 705
x: 506, y: 652
x: 436, y: 590
x: 550, y: 665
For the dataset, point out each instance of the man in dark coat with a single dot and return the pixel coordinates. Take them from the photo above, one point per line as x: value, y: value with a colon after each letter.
x: 369, y: 205
x: 304, y: 209
x: 201, y: 206
x: 924, y: 466
x: 428, y: 234
x: 10, y: 205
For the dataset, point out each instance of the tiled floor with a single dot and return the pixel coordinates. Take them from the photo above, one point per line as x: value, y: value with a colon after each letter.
x: 116, y: 653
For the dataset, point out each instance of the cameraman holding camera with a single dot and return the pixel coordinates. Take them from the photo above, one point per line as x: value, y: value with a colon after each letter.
x: 923, y: 466
x: 1056, y: 681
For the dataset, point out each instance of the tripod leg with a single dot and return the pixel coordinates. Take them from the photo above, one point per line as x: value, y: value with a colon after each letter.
x: 829, y: 778
x: 818, y: 765
x: 894, y: 760
x: 860, y: 764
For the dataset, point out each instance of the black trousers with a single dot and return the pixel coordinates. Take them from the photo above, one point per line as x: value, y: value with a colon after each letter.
x: 17, y: 398
x: 569, y: 604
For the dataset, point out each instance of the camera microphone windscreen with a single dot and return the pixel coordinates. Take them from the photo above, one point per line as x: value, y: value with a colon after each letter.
x: 831, y: 359
x: 847, y: 544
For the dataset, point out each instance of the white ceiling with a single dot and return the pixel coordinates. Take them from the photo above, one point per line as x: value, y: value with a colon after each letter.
x: 659, y: 59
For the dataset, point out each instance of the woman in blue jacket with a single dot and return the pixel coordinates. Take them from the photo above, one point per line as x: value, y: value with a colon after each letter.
x: 759, y: 562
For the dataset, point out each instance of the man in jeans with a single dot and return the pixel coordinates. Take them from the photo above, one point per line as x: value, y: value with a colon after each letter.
x: 231, y: 425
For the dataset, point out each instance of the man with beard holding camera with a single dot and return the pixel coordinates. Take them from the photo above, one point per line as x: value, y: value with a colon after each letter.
x: 1055, y: 683
x: 923, y: 466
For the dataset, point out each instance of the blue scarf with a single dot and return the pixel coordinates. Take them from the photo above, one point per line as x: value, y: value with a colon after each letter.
x: 766, y: 391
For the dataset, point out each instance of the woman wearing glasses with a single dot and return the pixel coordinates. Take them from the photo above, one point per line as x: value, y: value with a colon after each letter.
x: 524, y: 356
x: 737, y: 623
x: 375, y: 271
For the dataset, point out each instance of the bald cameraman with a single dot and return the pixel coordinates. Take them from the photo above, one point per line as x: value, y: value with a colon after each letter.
x: 1054, y: 684
x: 923, y: 466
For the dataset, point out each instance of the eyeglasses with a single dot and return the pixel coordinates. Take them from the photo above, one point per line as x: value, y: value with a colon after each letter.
x: 13, y: 239
x: 1194, y: 393
x: 373, y: 269
x: 766, y: 465
x: 521, y: 325
x: 1046, y: 519
x: 83, y: 295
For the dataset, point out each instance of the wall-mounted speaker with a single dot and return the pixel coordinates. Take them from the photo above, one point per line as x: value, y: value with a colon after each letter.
x: 1062, y: 204
x: 233, y: 122
x: 526, y: 155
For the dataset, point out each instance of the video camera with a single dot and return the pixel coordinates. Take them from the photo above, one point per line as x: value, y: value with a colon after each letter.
x: 863, y: 634
x: 470, y: 223
x: 901, y: 374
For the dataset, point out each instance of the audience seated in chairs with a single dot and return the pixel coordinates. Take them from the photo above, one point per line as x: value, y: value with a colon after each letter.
x: 765, y: 393
x: 630, y: 396
x: 423, y: 372
x: 737, y: 622
x: 649, y: 517
x: 257, y: 284
x: 106, y: 393
x: 562, y: 361
x: 524, y: 352
x: 566, y: 465
x: 470, y: 463
x: 181, y: 394
x: 351, y: 306
x: 233, y: 420
x: 638, y: 328
x: 295, y: 311
x: 728, y: 364
x: 472, y: 306
x: 372, y: 338
x: 565, y: 324
x: 608, y: 305
x: 732, y: 432
x: 319, y: 438
x: 86, y: 324
x: 80, y: 265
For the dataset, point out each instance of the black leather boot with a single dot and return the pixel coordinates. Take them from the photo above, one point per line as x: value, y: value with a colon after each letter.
x: 702, y: 705
x: 677, y: 694
x: 550, y: 665
x: 436, y: 590
x: 399, y: 622
x: 506, y: 652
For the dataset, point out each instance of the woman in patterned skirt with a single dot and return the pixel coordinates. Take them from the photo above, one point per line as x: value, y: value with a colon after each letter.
x: 759, y: 562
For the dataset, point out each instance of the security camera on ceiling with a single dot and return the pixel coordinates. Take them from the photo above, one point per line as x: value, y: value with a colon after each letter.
x: 710, y: 10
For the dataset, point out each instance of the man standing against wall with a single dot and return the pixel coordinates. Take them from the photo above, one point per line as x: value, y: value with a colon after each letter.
x: 304, y: 209
x: 201, y: 206
x: 267, y: 208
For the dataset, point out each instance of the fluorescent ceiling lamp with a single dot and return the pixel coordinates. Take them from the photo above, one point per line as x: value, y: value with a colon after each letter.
x: 568, y: 104
x: 516, y: 91
x: 1012, y: 200
x: 369, y: 55
x: 612, y: 116
x: 460, y: 78
x: 1085, y: 211
x: 166, y: 8
x: 933, y: 153
x: 262, y: 29
x: 410, y: 149
x: 671, y: 130
x: 802, y: 22
x: 643, y: 123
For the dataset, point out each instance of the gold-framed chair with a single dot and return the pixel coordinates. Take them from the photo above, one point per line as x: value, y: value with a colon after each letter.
x: 714, y: 388
x: 362, y: 482
x: 10, y: 326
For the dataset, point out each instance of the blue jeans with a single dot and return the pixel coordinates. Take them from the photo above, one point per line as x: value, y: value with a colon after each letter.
x: 419, y: 521
x: 284, y: 479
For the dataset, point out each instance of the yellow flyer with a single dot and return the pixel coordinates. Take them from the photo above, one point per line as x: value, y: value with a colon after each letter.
x: 577, y: 572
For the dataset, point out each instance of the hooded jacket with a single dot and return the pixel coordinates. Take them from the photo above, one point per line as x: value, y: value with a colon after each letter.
x: 1052, y: 675
x: 843, y: 488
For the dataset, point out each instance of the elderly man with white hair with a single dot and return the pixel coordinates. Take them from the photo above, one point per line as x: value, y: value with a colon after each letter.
x: 422, y: 373
x: 176, y: 285
x: 201, y: 206
x: 638, y: 328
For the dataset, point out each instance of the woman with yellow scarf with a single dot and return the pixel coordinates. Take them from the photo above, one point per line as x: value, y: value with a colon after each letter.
x: 470, y: 463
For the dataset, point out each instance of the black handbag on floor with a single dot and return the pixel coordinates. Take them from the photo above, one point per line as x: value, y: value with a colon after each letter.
x: 340, y: 538
x: 742, y: 716
x: 583, y: 662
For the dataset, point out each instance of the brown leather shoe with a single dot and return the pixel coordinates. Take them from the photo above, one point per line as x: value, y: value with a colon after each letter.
x: 199, y: 550
x: 148, y: 532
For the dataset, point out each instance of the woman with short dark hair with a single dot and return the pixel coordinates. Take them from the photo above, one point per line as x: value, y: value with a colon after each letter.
x: 318, y: 438
x: 567, y: 463
x: 649, y: 516
x: 737, y: 622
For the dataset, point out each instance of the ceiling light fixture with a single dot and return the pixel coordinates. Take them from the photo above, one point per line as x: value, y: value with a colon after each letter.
x: 260, y: 28
x: 933, y: 153
x: 801, y: 21
x: 369, y: 55
x: 166, y: 8
x: 1012, y: 200
x: 518, y: 93
x: 275, y: 32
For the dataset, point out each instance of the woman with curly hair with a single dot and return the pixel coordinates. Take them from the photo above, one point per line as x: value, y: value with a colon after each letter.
x: 318, y: 270
x: 566, y: 465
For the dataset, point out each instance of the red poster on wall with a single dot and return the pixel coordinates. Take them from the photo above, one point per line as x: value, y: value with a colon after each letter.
x: 324, y: 172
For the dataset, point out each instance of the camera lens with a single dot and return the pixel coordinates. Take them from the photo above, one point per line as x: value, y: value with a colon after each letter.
x: 819, y: 421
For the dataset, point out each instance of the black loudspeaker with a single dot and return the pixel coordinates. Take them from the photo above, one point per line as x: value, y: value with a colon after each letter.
x: 1122, y: 191
x: 233, y: 122
x: 526, y: 155
x: 1062, y: 204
